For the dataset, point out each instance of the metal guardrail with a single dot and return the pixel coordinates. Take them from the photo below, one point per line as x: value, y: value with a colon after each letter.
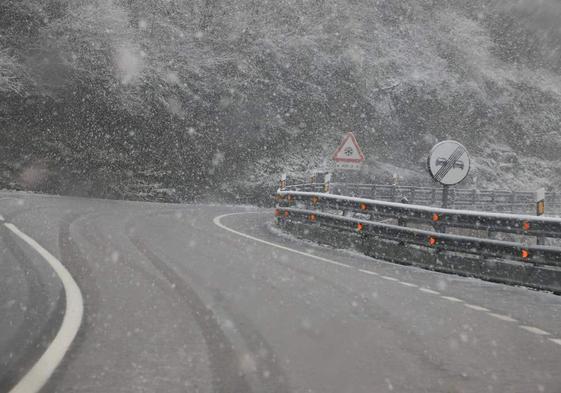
x: 361, y: 216
x: 486, y: 200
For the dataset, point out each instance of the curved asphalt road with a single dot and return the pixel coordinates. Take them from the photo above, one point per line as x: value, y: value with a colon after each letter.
x: 177, y: 299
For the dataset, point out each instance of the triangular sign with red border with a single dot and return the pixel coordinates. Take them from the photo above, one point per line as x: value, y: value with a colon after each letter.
x: 348, y: 150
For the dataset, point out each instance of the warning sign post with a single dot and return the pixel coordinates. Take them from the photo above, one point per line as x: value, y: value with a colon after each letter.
x: 348, y: 155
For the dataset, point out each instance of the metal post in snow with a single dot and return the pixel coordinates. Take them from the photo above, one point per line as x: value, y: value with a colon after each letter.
x: 512, y: 202
x: 445, y: 192
x: 326, y: 183
x: 402, y: 222
x: 283, y: 181
x: 540, y: 211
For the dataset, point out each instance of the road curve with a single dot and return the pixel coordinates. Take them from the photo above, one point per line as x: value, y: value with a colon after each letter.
x: 202, y: 298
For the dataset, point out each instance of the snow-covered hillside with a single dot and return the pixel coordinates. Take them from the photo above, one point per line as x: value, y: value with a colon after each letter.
x: 110, y: 96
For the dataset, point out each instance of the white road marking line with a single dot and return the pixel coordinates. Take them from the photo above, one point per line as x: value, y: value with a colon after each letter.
x: 368, y: 272
x: 535, y: 330
x: 452, y: 299
x: 217, y: 222
x: 39, y: 374
x: 408, y: 284
x: 477, y: 308
x: 427, y: 290
x: 502, y: 317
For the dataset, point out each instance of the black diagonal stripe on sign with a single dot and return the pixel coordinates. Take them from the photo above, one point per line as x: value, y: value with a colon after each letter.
x: 449, y: 163
x: 443, y: 171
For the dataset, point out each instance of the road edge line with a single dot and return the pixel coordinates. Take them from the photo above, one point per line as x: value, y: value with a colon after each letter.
x: 36, y: 378
x: 217, y: 222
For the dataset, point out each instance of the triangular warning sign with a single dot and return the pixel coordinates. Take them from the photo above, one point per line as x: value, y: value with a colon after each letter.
x: 348, y: 150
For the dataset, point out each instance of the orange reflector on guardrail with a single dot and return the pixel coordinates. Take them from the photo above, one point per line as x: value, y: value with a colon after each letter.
x: 312, y: 217
x: 363, y: 206
x: 435, y: 217
x: 524, y: 254
x: 526, y: 225
x: 359, y: 227
x: 432, y: 241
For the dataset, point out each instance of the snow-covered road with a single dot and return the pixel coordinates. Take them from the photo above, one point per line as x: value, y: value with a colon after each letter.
x: 193, y: 298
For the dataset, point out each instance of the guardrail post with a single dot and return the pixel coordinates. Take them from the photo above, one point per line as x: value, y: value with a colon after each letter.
x: 283, y: 181
x: 402, y: 222
x: 512, y: 202
x: 326, y: 183
x: 540, y: 211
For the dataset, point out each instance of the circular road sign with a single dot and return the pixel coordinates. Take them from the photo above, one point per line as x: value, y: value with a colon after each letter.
x: 448, y: 162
